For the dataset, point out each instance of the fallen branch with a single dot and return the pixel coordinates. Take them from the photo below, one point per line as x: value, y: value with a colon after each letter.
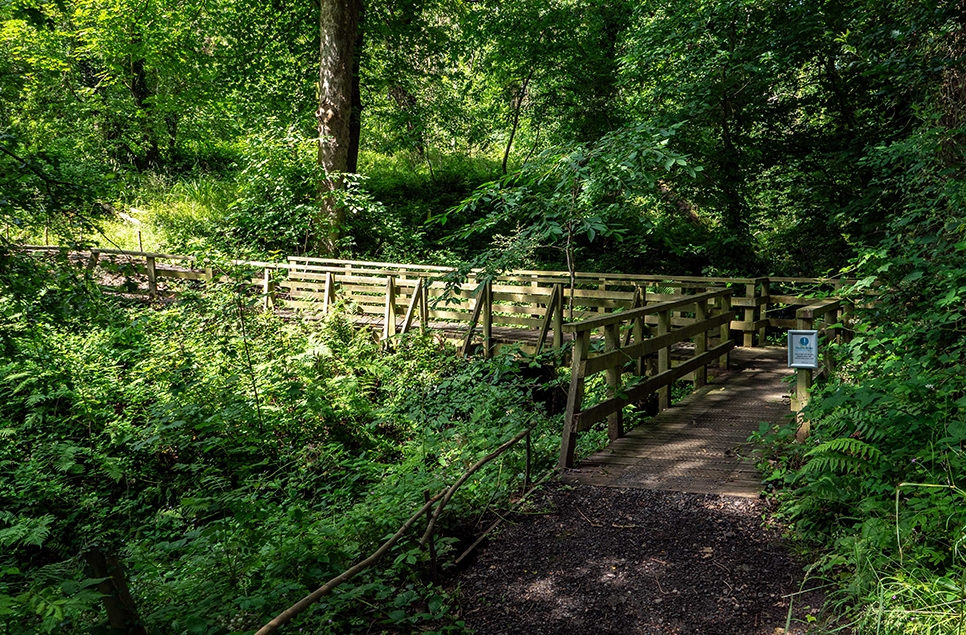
x: 500, y: 519
x: 455, y: 486
x: 589, y: 521
x: 287, y: 615
x: 315, y: 596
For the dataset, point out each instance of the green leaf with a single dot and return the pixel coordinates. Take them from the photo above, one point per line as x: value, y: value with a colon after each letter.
x: 913, y: 276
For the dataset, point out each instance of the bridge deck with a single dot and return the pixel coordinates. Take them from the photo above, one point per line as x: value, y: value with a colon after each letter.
x: 700, y: 445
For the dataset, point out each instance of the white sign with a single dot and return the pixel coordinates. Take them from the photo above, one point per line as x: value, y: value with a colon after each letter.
x: 803, y: 349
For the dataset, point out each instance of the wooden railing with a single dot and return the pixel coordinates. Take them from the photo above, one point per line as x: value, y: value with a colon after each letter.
x: 629, y: 339
x: 400, y: 297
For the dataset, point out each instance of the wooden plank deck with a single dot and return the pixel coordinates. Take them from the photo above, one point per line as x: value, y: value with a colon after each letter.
x: 700, y: 445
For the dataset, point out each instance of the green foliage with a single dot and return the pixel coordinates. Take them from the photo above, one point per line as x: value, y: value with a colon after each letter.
x: 878, y: 485
x: 840, y: 455
x: 234, y: 461
x: 567, y: 194
x: 782, y: 103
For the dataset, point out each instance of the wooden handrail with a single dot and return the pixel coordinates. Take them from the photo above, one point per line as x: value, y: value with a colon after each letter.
x: 818, y: 309
x: 643, y: 343
x: 650, y: 309
x: 517, y: 300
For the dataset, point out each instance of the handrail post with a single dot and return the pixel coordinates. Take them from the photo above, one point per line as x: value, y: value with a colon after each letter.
x: 748, y: 332
x: 637, y: 336
x: 575, y: 397
x: 479, y: 306
x: 762, y: 310
x: 664, y: 359
x: 424, y: 306
x: 612, y: 342
x: 95, y: 256
x: 488, y: 319
x: 328, y: 292
x: 803, y: 384
x: 725, y: 332
x: 701, y: 343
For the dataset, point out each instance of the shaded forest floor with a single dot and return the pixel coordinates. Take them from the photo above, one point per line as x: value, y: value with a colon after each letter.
x: 601, y: 560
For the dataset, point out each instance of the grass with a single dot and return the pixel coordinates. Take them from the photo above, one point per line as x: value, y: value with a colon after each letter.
x: 173, y: 215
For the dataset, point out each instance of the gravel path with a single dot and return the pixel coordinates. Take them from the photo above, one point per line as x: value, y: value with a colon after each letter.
x: 603, y: 560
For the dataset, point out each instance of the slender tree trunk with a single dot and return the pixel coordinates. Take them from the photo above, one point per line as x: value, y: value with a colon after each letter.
x: 338, y: 29
x: 142, y: 93
x: 517, y: 107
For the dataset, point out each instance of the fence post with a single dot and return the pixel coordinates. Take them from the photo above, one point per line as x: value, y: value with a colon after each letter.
x: 558, y: 316
x: 725, y: 333
x: 152, y: 277
x: 748, y: 332
x: 664, y: 359
x: 762, y: 310
x: 575, y: 397
x: 612, y: 342
x: 701, y: 343
x: 95, y: 256
x: 268, y: 290
x: 389, y: 321
x: 424, y: 306
x: 637, y: 336
x: 488, y: 319
x: 803, y: 384
x: 327, y: 292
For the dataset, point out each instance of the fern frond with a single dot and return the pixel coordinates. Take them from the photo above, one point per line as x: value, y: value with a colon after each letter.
x: 26, y: 531
x: 841, y: 455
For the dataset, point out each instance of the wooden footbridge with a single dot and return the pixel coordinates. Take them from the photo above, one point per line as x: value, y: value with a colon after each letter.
x: 641, y: 332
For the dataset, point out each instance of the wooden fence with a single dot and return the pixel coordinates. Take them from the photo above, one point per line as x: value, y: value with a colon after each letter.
x: 632, y: 338
x: 528, y: 308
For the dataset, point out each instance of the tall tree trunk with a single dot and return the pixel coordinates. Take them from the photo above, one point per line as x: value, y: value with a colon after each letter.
x: 355, y: 119
x: 517, y: 105
x: 338, y: 28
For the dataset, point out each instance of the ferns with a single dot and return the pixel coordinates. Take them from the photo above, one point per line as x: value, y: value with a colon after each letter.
x: 24, y: 531
x: 841, y: 455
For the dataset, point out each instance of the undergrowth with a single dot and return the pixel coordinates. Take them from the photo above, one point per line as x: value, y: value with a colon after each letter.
x: 877, y: 492
x: 233, y: 461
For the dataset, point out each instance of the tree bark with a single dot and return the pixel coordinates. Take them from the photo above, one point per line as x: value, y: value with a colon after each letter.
x: 121, y: 612
x: 142, y: 94
x: 338, y: 29
x: 355, y: 118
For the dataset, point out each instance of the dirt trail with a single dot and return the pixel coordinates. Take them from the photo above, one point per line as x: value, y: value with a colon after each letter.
x: 605, y: 560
